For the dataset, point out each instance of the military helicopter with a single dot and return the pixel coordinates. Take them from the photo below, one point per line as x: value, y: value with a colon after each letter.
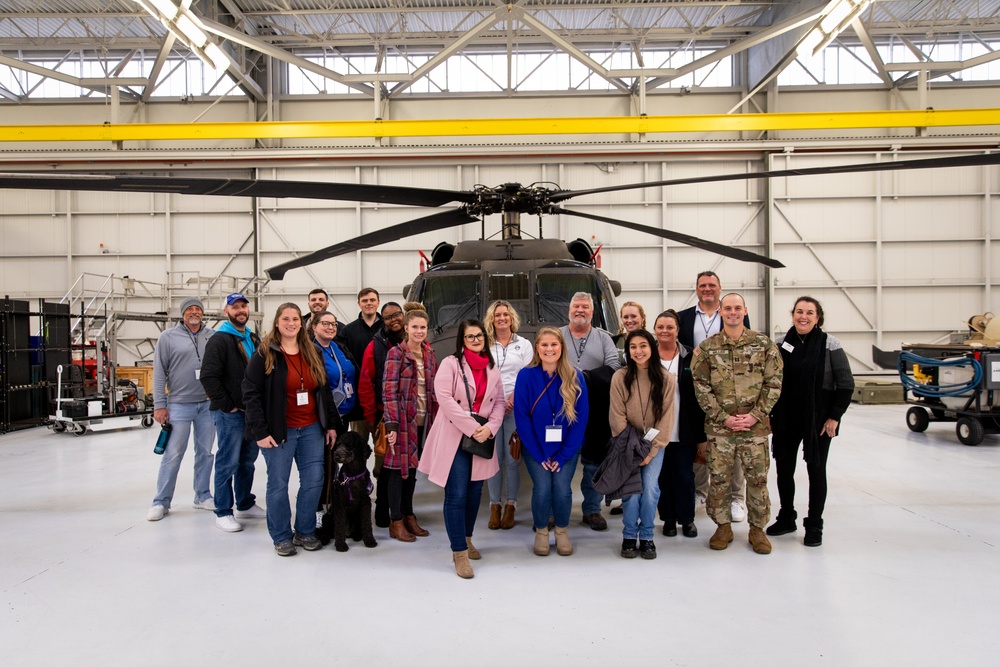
x: 539, y: 276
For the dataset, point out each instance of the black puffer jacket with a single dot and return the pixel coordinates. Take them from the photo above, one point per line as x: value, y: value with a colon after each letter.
x: 264, y: 396
x: 223, y: 368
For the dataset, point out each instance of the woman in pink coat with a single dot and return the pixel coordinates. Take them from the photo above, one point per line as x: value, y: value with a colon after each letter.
x: 468, y: 375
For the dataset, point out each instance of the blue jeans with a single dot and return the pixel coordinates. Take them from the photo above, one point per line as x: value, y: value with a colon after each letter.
x: 182, y: 417
x: 234, y: 463
x: 305, y: 446
x: 461, y: 501
x: 552, y: 494
x: 639, y: 509
x: 508, y: 466
x: 591, y: 498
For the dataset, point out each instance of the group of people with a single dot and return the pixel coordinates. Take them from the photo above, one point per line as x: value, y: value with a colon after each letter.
x: 690, y: 406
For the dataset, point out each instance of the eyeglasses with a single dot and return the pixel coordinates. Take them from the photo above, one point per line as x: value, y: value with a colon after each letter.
x: 475, y: 337
x: 324, y: 323
x: 393, y: 316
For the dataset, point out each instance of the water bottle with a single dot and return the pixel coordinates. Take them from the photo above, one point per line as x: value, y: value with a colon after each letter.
x: 161, y: 441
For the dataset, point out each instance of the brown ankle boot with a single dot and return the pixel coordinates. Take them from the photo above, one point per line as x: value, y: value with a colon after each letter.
x: 473, y: 551
x: 759, y: 541
x: 494, y: 523
x: 463, y: 567
x: 563, y: 546
x: 411, y: 525
x: 723, y: 536
x: 507, y: 522
x: 541, y: 542
x: 398, y: 531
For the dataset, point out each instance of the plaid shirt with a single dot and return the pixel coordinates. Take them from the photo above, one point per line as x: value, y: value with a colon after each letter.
x: 399, y: 392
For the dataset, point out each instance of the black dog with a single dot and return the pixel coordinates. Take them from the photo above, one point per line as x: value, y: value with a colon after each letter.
x: 350, y: 504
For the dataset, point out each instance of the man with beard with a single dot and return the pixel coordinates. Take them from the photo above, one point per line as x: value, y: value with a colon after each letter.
x: 225, y: 363
x: 319, y: 301
x: 593, y: 351
x: 370, y: 390
x: 177, y: 364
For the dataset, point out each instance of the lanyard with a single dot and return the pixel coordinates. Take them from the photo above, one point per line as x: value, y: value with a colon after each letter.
x: 711, y: 322
x: 503, y: 349
x: 194, y: 341
x: 548, y: 398
x: 297, y: 368
x: 583, y: 345
x: 638, y: 390
x: 336, y: 360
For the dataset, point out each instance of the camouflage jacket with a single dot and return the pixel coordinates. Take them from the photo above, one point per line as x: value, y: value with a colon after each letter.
x: 736, y: 377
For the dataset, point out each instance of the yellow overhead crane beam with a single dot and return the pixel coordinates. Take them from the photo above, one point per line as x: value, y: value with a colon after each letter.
x: 498, y: 127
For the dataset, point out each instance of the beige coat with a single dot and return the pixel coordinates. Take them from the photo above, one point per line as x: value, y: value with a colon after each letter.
x: 631, y: 410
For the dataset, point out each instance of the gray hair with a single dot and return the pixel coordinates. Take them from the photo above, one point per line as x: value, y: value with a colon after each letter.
x: 583, y: 296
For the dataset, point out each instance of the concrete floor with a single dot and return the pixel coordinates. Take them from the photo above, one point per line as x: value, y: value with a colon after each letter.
x: 906, y: 574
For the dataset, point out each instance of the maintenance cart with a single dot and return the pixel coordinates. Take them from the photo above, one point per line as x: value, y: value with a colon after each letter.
x: 122, y: 404
x: 952, y: 383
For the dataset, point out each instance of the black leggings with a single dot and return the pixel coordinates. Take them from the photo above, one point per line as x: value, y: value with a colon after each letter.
x: 400, y: 492
x: 786, y: 450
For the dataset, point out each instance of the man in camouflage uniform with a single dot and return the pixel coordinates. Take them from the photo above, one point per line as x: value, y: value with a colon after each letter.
x: 737, y: 380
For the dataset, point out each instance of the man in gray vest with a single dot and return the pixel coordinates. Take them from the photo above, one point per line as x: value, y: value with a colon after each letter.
x: 177, y: 366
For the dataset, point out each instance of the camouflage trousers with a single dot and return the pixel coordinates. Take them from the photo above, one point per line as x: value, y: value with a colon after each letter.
x: 751, y: 454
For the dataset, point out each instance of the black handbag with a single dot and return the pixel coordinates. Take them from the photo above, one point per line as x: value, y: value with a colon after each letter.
x: 468, y: 443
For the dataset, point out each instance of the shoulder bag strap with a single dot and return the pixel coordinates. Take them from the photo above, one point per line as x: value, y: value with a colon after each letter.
x: 532, y: 410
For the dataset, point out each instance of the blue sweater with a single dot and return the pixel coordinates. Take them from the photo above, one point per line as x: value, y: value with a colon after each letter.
x: 530, y: 383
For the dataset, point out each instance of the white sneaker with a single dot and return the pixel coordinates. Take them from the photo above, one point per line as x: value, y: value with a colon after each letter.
x: 228, y: 524
x: 738, y: 511
x: 319, y: 519
x: 255, y: 512
x: 156, y: 512
x: 206, y: 504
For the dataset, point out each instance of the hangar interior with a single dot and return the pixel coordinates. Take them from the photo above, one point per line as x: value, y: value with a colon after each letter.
x: 452, y: 94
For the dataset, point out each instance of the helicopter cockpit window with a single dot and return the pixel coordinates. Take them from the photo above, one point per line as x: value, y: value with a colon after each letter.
x: 451, y: 298
x: 513, y: 287
x: 553, y: 294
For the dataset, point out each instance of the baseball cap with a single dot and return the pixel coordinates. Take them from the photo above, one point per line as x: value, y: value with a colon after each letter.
x: 234, y: 297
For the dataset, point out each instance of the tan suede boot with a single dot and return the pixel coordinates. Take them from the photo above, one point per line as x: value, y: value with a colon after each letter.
x: 463, y: 567
x: 759, y: 541
x: 563, y: 546
x: 473, y: 551
x: 494, y: 523
x: 541, y: 542
x: 723, y: 536
x: 507, y: 522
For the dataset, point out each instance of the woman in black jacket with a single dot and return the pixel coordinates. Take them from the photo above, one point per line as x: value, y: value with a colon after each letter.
x: 815, y: 392
x: 290, y: 412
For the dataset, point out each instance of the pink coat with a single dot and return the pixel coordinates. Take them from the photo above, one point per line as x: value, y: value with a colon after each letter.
x: 453, y: 421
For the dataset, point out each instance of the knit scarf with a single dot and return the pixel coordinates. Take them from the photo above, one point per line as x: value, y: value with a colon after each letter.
x: 248, y: 346
x: 478, y: 364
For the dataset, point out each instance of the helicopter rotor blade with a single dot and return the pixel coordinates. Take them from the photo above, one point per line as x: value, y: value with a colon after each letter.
x: 929, y: 163
x: 430, y: 223
x: 693, y: 241
x: 228, y: 187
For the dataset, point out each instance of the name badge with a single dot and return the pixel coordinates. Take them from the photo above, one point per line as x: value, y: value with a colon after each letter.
x: 302, y: 398
x: 348, y: 389
x: 787, y: 346
x: 197, y: 374
x: 650, y: 434
x: 553, y: 433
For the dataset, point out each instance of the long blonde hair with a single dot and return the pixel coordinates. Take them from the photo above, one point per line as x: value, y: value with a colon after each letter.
x: 306, y: 347
x: 570, y: 390
x: 515, y: 320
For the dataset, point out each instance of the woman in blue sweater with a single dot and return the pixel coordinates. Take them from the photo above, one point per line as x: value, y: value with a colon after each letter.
x: 550, y: 410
